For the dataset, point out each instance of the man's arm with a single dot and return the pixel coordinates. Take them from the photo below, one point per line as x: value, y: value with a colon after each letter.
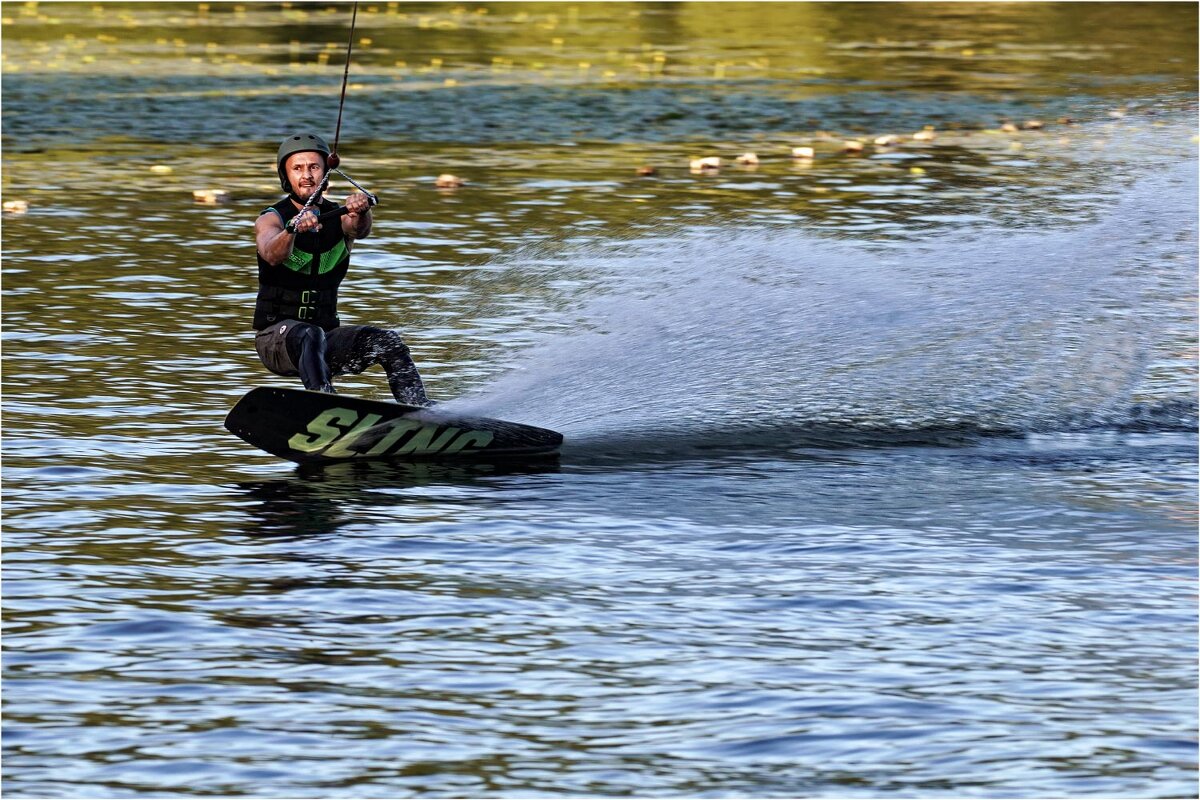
x: 273, y: 240
x: 274, y: 243
x: 357, y: 222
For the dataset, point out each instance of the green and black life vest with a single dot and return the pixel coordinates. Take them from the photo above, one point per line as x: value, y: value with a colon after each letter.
x: 304, y: 287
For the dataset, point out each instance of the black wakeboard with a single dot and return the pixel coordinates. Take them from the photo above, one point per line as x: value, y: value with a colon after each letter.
x: 316, y: 427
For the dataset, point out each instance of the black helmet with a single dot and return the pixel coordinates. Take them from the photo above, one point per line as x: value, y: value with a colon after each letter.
x: 299, y: 143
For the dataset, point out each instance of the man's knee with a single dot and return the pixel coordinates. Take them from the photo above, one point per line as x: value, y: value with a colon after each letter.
x: 302, y: 336
x: 383, y: 343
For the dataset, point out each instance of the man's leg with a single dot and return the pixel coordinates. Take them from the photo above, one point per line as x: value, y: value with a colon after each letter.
x: 306, y: 346
x: 353, y: 348
x: 292, y: 348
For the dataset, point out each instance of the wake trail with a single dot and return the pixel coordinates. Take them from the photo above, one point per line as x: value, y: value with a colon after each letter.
x: 765, y: 331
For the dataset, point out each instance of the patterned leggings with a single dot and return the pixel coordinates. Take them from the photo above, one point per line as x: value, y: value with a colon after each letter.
x: 317, y: 356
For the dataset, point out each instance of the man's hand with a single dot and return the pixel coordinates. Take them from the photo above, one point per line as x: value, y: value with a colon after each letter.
x: 305, y: 222
x: 357, y: 222
x: 357, y: 203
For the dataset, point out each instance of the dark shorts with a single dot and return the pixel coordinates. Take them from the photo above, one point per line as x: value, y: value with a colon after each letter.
x: 271, y: 344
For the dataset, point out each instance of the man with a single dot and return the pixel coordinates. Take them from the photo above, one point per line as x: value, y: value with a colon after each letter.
x: 301, y: 262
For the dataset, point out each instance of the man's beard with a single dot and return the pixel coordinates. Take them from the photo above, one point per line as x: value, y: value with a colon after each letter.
x: 308, y: 193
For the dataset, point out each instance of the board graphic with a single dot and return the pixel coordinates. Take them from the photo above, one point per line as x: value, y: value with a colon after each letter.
x: 315, y: 427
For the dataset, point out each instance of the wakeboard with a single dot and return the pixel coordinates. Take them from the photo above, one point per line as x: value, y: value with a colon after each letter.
x: 317, y: 427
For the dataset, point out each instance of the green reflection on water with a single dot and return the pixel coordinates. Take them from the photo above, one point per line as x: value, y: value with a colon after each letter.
x: 955, y: 43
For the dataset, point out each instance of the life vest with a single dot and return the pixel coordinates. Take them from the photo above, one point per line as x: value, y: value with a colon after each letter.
x: 304, y: 286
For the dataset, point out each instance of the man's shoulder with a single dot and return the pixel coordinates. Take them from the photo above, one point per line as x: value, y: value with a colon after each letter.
x: 278, y: 207
x: 268, y: 219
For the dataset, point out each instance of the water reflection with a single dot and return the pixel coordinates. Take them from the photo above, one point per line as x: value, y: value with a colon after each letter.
x: 318, y: 500
x: 631, y: 72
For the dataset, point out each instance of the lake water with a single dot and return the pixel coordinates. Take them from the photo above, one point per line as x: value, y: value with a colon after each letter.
x: 880, y: 471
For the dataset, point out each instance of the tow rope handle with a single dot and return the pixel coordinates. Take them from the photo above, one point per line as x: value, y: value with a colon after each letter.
x: 332, y: 214
x: 342, y: 211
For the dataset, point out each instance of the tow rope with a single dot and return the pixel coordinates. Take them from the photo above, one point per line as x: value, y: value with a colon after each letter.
x: 334, y: 160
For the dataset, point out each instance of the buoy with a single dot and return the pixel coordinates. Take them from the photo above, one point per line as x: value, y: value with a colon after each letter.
x: 747, y: 158
x: 646, y: 171
x: 852, y: 146
x: 1008, y: 127
x: 803, y: 152
x: 1033, y: 125
x: 210, y: 197
x: 925, y: 135
x: 887, y: 141
x: 448, y: 181
x: 15, y: 206
x: 705, y: 164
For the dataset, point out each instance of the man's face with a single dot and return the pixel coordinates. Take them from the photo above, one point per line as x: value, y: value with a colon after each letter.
x: 304, y: 172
